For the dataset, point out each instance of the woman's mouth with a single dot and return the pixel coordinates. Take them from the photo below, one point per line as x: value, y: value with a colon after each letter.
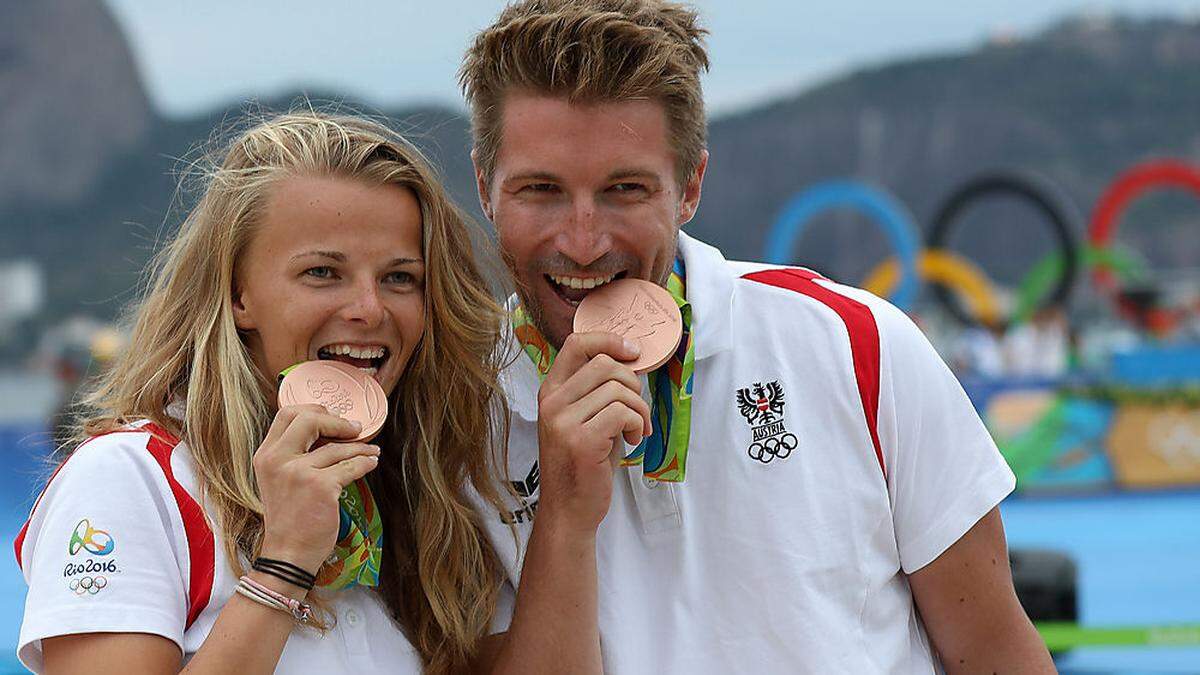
x: 367, y: 358
x: 573, y: 289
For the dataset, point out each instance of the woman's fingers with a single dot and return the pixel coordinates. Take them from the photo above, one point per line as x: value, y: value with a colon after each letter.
x: 308, y: 426
x: 349, y: 470
x: 331, y: 453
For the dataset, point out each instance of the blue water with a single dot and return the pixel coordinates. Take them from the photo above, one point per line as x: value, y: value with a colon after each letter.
x: 1138, y: 558
x: 23, y: 448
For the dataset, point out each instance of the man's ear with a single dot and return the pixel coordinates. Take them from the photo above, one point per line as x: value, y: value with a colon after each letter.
x: 481, y: 186
x: 691, y: 190
x: 242, y: 316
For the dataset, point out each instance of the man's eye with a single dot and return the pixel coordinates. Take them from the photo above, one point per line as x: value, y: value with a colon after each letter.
x: 628, y: 187
x: 541, y: 187
x: 323, y: 272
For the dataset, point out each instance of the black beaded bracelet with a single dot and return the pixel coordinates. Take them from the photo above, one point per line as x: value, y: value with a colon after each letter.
x: 286, y: 571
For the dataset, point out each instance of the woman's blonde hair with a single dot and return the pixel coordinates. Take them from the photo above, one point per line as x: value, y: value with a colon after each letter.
x: 440, y: 578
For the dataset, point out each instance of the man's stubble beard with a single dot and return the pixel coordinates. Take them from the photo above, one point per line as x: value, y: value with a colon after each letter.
x: 533, y: 307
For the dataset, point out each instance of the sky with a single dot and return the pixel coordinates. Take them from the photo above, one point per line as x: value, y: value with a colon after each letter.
x: 195, y: 56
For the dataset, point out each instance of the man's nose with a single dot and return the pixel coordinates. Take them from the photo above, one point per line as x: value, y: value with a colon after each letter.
x: 584, y: 237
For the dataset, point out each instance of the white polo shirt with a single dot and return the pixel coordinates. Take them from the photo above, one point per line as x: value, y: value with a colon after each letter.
x: 831, y: 453
x: 119, y: 543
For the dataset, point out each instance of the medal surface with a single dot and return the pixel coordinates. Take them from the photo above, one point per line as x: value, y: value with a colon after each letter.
x: 342, y: 389
x: 638, y: 311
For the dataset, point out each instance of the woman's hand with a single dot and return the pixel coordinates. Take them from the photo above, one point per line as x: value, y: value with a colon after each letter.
x: 300, y: 481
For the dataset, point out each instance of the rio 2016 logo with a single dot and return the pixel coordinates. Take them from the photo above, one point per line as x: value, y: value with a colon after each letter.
x: 85, y: 537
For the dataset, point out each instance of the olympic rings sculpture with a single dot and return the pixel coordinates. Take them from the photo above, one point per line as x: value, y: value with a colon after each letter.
x: 1130, y: 185
x: 946, y: 268
x: 1030, y: 189
x: 1128, y: 266
x: 878, y: 204
x: 1049, y: 281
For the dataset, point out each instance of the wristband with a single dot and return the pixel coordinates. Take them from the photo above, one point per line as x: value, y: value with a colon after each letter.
x: 259, y: 593
x: 286, y: 571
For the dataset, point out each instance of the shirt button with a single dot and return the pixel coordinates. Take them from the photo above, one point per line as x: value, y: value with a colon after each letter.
x: 352, y: 617
x: 650, y: 483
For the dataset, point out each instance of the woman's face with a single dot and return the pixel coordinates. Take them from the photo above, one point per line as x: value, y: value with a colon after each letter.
x: 334, y: 271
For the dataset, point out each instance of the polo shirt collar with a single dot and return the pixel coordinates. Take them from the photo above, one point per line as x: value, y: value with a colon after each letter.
x: 709, y: 285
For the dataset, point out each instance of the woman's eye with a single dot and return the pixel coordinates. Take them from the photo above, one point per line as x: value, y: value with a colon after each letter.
x: 323, y: 272
x: 403, y: 278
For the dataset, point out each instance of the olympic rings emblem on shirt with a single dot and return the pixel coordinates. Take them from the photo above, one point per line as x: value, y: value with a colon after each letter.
x: 88, y: 585
x: 774, y: 447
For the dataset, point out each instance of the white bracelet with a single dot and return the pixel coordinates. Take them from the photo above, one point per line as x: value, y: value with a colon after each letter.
x: 262, y: 600
x: 255, y: 591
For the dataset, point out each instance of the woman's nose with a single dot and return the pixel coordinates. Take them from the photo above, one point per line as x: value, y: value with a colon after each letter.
x: 364, y: 305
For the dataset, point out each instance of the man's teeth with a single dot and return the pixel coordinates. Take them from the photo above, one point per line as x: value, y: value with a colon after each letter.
x: 356, y: 352
x: 581, y: 282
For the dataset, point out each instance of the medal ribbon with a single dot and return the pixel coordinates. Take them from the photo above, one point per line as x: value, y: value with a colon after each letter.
x: 359, y: 549
x: 662, y: 454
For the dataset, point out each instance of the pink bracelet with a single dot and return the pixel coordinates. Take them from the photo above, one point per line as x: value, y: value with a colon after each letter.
x: 250, y: 588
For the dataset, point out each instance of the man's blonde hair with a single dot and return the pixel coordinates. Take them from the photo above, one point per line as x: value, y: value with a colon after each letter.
x: 590, y: 51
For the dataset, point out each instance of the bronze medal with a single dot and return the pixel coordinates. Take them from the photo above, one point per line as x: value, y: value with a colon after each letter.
x: 639, y: 311
x: 342, y: 389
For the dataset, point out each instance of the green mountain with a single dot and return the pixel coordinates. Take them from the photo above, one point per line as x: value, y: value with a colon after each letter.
x: 1076, y: 104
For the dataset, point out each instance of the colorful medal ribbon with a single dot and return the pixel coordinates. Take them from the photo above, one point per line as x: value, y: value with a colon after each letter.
x: 359, y: 549
x: 356, y: 556
x: 663, y: 455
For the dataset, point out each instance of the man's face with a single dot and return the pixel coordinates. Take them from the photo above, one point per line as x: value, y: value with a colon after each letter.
x: 581, y: 195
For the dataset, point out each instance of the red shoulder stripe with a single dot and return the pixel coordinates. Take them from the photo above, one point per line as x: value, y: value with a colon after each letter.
x: 19, y: 542
x: 201, y: 546
x: 863, y: 331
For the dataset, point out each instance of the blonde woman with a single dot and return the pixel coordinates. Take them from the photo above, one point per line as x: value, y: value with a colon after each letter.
x: 316, y: 237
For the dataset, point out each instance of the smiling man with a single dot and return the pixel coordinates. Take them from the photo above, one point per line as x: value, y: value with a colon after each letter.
x: 829, y: 499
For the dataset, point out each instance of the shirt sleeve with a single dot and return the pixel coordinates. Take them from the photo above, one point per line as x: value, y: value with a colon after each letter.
x: 944, y: 471
x: 100, y: 551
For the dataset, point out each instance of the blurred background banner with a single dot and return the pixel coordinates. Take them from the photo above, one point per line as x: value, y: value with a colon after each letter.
x: 1021, y: 177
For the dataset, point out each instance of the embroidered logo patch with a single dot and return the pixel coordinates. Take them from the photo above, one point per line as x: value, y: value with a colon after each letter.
x: 86, y: 537
x: 762, y: 406
x: 88, y: 577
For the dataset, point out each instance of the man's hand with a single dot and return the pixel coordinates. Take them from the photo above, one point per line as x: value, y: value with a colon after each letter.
x: 587, y: 404
x: 970, y: 609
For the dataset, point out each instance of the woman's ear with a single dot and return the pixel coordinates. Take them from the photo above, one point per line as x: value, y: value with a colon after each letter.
x: 242, y: 316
